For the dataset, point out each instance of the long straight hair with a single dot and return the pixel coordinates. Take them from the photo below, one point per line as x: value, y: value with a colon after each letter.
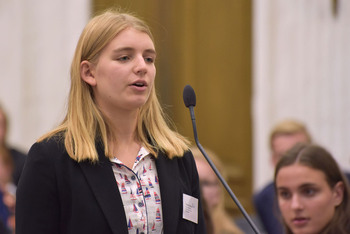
x: 84, y: 124
x: 318, y: 158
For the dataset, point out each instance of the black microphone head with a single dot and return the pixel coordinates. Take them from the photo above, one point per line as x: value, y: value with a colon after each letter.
x: 189, y: 96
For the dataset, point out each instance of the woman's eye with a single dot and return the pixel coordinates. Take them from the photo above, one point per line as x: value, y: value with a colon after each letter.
x: 149, y: 60
x: 123, y: 58
x: 284, y: 194
x: 309, y: 192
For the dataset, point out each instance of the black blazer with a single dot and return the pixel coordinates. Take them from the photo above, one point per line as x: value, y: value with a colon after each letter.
x: 19, y: 159
x: 57, y: 195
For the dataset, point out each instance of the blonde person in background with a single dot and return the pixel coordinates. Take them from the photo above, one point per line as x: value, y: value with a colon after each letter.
x: 11, y: 164
x: 14, y: 156
x: 213, y: 193
x: 284, y: 135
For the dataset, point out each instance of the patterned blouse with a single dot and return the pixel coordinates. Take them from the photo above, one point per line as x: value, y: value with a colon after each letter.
x: 140, y: 193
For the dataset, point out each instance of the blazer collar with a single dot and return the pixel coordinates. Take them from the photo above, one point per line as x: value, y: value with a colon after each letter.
x: 101, y: 179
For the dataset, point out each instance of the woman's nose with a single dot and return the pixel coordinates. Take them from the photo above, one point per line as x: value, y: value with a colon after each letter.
x: 140, y: 66
x: 296, y: 202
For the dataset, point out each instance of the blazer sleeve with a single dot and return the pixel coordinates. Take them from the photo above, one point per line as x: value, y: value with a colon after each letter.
x: 37, y: 203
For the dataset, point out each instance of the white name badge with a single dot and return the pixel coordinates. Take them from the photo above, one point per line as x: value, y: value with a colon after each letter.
x: 190, y: 208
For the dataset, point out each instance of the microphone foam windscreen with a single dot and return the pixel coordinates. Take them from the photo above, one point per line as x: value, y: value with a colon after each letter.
x: 189, y: 96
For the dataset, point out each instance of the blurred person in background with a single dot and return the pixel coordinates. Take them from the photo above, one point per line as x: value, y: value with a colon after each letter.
x: 11, y: 165
x: 7, y: 194
x: 17, y: 157
x: 213, y: 193
x: 312, y: 192
x: 283, y: 136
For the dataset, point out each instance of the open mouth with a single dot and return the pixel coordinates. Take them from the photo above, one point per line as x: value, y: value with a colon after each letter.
x: 139, y: 84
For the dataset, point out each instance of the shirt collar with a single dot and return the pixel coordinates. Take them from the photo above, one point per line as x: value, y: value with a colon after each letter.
x: 143, y: 152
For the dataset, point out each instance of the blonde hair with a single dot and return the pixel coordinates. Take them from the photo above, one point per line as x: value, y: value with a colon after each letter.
x: 219, y: 216
x: 84, y: 124
x: 289, y: 127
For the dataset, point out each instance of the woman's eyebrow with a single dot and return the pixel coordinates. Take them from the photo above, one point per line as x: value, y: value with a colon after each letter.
x: 307, y: 185
x: 123, y: 49
x: 130, y: 49
x: 151, y: 51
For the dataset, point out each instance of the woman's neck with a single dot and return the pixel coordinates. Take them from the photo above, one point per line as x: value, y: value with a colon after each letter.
x: 124, y: 143
x: 122, y: 123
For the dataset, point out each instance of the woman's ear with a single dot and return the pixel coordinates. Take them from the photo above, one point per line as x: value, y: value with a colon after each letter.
x: 338, y: 193
x: 87, y: 72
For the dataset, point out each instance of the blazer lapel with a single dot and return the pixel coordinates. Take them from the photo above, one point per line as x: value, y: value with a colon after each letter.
x: 169, y: 189
x: 101, y: 179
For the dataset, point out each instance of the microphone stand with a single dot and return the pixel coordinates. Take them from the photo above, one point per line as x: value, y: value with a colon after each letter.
x: 228, y: 189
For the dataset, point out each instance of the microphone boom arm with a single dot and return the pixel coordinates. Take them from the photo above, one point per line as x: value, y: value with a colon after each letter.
x: 228, y: 189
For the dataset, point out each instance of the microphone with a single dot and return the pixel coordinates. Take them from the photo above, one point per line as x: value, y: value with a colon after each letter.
x: 190, y: 102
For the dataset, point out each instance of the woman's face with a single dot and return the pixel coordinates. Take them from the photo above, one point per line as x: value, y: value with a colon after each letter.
x: 124, y: 75
x: 210, y: 184
x: 306, y: 201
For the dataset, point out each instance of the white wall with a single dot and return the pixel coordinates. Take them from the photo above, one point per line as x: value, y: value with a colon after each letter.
x: 37, y: 45
x: 301, y: 70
